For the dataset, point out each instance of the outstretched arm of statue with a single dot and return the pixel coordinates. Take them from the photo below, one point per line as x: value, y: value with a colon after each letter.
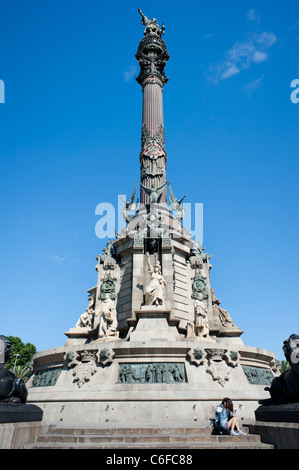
x: 149, y: 266
x: 144, y: 18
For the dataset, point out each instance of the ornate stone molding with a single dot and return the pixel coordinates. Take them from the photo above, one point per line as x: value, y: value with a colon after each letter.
x: 108, y: 287
x: 85, y: 367
x: 217, y: 366
x: 105, y: 356
x: 218, y: 361
x: 199, y: 285
x: 196, y: 356
x: 153, y: 80
x: 152, y: 57
x: 152, y: 145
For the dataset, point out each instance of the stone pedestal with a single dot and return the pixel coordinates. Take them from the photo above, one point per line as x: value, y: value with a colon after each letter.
x: 75, y: 335
x: 19, y: 413
x: 153, y: 324
x: 277, y: 425
x: 278, y: 413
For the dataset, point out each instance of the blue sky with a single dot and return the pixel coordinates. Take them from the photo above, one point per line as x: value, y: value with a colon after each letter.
x: 70, y: 139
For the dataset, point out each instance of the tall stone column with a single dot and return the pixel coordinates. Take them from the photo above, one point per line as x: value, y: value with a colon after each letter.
x: 152, y: 57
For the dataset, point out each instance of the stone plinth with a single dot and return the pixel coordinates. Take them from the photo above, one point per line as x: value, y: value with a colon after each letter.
x: 277, y: 425
x: 84, y: 383
x: 280, y: 435
x: 153, y: 325
x: 19, y: 413
x: 278, y: 413
x: 75, y: 335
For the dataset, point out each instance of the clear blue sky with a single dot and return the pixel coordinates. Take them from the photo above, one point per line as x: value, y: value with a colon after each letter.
x: 70, y: 139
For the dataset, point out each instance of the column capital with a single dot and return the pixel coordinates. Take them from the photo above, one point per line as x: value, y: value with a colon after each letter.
x: 152, y: 57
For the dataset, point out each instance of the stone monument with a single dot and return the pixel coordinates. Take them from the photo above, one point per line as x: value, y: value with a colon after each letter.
x: 153, y: 345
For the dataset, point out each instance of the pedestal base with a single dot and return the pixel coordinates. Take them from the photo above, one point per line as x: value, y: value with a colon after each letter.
x: 278, y: 413
x: 153, y: 325
x: 19, y: 413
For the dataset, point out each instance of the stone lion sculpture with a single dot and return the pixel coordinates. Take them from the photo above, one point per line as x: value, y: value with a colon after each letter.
x: 12, y: 388
x: 285, y: 388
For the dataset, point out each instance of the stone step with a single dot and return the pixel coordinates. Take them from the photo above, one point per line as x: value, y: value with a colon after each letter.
x: 146, y: 439
x: 141, y: 438
x: 200, y: 445
x: 129, y: 431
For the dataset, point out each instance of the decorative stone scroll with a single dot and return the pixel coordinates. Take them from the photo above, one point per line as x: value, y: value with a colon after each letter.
x: 152, y: 373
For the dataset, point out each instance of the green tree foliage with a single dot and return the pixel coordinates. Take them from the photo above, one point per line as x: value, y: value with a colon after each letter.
x: 26, y: 352
x: 284, y: 365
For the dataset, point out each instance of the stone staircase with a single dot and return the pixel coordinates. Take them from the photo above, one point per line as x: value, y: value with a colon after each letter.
x: 63, y: 437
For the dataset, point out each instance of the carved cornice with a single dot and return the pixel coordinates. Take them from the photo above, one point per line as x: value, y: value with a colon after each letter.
x: 152, y: 57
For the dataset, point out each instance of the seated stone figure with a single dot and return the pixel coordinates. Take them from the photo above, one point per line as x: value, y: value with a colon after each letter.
x: 12, y: 388
x: 285, y: 388
x: 86, y: 318
x: 107, y: 318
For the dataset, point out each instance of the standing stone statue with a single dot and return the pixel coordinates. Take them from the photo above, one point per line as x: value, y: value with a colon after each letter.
x: 200, y: 326
x: 151, y: 25
x: 107, y: 318
x: 201, y: 317
x: 155, y: 291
